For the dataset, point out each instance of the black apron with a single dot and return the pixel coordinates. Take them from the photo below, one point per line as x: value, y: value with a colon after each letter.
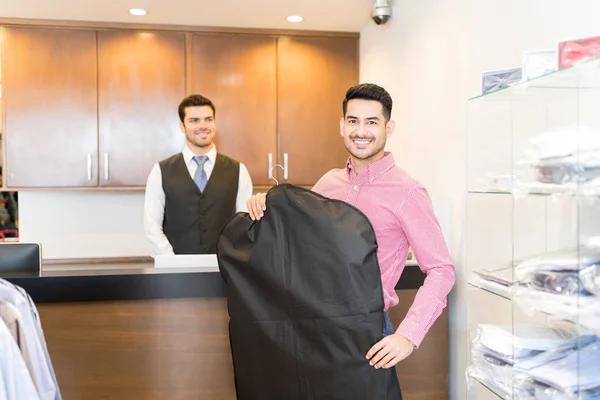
x: 305, y: 301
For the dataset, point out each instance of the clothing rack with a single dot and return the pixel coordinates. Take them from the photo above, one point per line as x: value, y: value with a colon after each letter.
x: 26, y: 371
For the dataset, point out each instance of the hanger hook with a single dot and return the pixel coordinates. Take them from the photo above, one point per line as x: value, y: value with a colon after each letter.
x: 271, y: 173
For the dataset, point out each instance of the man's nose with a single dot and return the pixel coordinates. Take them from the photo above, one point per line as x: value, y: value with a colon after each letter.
x: 360, y: 128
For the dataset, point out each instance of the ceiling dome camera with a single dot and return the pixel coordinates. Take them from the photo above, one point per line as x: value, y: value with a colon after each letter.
x: 382, y: 11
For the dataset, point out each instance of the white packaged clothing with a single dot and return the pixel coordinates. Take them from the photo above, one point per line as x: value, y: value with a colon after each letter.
x: 12, y: 319
x: 14, y: 322
x: 523, y: 338
x: 42, y: 372
x: 16, y: 382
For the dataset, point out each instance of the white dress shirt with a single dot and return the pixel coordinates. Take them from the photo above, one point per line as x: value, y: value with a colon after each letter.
x: 39, y: 366
x: 154, y: 203
x: 15, y: 380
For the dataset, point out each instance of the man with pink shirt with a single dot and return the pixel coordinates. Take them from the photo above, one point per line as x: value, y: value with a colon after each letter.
x: 400, y: 210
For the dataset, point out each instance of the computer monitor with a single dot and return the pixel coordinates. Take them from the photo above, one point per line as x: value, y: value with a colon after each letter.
x: 20, y: 257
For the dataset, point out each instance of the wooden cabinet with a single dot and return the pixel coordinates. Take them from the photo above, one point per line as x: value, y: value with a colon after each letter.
x: 313, y: 76
x: 277, y: 100
x: 238, y: 73
x: 49, y: 96
x: 141, y: 80
x: 98, y: 107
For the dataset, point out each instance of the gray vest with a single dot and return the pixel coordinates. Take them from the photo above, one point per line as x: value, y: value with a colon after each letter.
x: 193, y: 220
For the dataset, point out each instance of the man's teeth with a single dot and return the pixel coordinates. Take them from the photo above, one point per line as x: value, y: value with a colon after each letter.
x: 362, y: 141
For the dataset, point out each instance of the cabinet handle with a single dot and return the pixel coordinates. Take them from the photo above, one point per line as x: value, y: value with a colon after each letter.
x: 105, y: 166
x: 89, y: 166
x: 285, y: 165
x: 270, y: 169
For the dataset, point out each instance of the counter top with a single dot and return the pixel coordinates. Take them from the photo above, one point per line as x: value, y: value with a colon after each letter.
x: 138, y: 281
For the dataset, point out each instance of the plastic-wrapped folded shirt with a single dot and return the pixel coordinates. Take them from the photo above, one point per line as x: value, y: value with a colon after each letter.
x: 572, y: 271
x: 544, y: 392
x: 499, y: 79
x: 520, y: 341
x: 566, y: 371
x: 305, y: 300
x: 584, y: 310
x: 566, y: 159
x: 497, y: 348
x: 570, y: 368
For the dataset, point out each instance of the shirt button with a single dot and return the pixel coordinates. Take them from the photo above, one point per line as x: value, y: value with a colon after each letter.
x: 371, y: 179
x: 355, y: 187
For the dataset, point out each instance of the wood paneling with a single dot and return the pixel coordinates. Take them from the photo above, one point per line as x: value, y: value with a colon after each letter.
x: 140, y: 350
x: 238, y: 73
x: 97, y: 109
x: 141, y: 80
x: 424, y: 374
x: 313, y: 77
x: 49, y: 95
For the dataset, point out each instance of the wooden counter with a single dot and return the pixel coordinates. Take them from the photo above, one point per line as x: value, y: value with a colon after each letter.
x: 169, y: 349
x: 166, y: 337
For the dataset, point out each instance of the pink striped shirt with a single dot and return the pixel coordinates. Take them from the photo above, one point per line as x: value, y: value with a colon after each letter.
x: 402, y: 216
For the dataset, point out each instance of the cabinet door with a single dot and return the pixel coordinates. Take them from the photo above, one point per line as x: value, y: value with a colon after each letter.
x: 49, y: 95
x: 313, y: 76
x: 141, y: 80
x: 238, y: 73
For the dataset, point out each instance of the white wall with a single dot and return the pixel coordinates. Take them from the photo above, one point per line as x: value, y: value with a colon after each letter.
x: 430, y: 56
x: 81, y: 224
x: 86, y: 224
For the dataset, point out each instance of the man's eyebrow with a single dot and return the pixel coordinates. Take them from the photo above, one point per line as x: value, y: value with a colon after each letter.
x: 369, y: 118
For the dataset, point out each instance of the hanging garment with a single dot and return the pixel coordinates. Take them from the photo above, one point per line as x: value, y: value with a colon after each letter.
x: 15, y: 380
x: 33, y: 344
x: 305, y: 301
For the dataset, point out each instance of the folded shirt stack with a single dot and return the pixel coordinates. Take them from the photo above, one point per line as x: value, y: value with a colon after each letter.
x: 536, y: 361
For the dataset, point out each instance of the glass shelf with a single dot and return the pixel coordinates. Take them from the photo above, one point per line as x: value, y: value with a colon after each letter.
x: 580, y: 76
x: 506, y: 294
x: 506, y: 192
x: 520, y: 193
x: 494, y: 292
x: 521, y: 231
x: 491, y: 390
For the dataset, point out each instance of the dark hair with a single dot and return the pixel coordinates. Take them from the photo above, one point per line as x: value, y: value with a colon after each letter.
x: 194, y: 100
x: 370, y: 91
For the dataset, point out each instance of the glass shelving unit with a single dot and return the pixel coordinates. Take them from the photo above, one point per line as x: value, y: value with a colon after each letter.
x: 533, y: 238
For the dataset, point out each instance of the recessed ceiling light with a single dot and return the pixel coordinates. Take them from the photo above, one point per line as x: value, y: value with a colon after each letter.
x: 295, y: 18
x: 137, y: 11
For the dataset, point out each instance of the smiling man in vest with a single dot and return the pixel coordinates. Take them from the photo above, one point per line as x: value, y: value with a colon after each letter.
x: 192, y: 194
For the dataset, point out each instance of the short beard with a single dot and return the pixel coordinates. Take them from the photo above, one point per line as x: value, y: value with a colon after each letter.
x: 201, y: 144
x: 366, y: 157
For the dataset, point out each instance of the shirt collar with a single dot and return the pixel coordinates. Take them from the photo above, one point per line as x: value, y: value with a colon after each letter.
x: 188, y: 155
x: 375, y: 169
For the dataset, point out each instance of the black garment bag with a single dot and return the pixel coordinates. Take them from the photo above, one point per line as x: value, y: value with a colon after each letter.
x: 305, y: 300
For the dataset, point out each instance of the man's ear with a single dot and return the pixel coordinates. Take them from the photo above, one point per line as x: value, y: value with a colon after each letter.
x: 182, y: 127
x: 342, y: 126
x: 389, y: 127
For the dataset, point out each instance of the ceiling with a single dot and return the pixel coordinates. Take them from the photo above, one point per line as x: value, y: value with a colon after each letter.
x: 325, y: 15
